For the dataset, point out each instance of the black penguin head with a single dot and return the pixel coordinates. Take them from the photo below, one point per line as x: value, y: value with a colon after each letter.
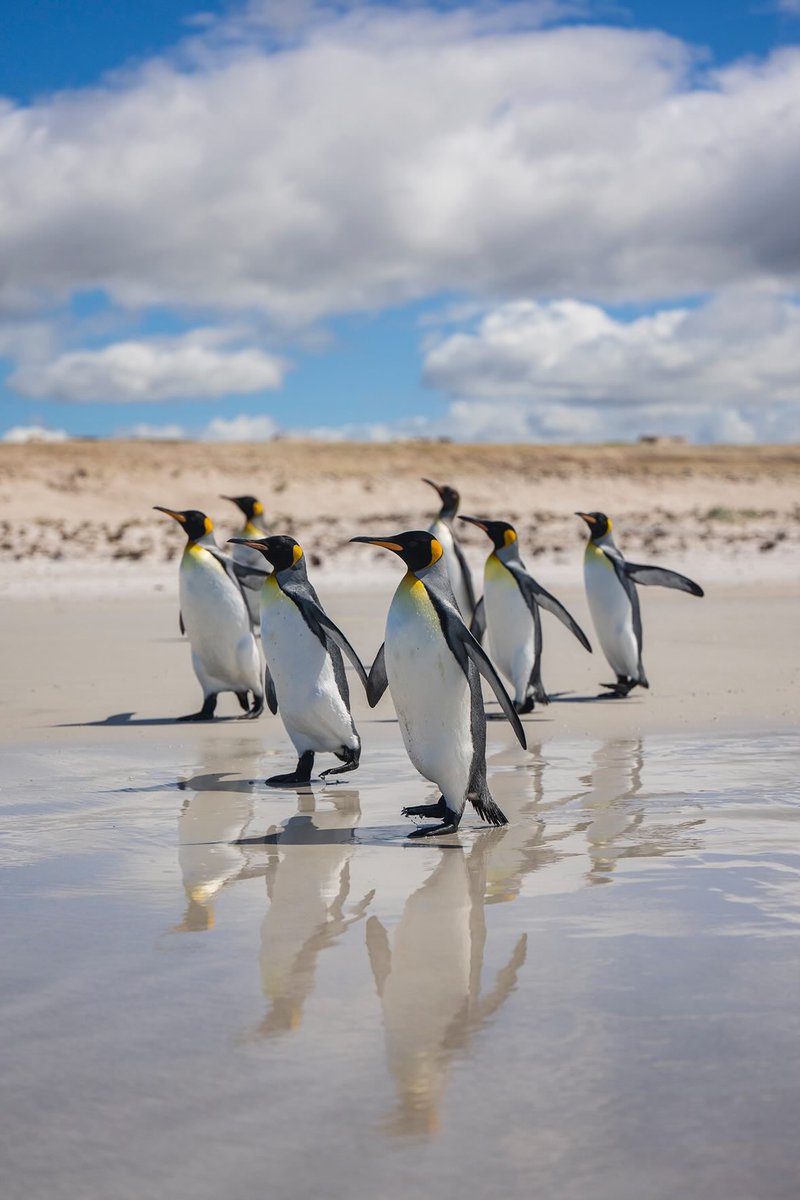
x: 418, y: 549
x: 251, y: 507
x: 599, y: 524
x: 501, y: 533
x: 195, y: 524
x: 281, y: 550
x: 449, y: 497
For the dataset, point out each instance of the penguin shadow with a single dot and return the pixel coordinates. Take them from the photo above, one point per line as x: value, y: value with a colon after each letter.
x: 130, y: 720
x: 306, y: 866
x: 615, y: 812
x: 427, y: 978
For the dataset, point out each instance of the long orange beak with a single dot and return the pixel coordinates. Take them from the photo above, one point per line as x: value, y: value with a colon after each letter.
x: 430, y: 483
x: 175, y: 515
x: 475, y: 521
x: 586, y: 517
x: 373, y: 541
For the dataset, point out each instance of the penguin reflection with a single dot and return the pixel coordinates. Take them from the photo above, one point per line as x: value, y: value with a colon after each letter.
x: 614, y: 782
x: 429, y: 981
x: 212, y: 820
x: 308, y: 885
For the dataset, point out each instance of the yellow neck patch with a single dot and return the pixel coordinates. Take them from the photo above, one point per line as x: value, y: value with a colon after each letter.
x: 509, y: 537
x: 436, y: 551
x: 209, y: 525
x: 297, y: 554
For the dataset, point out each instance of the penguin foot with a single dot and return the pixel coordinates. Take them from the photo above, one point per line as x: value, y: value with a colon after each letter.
x: 256, y: 711
x: 525, y: 706
x: 618, y: 690
x: 206, y: 713
x: 301, y: 773
x: 350, y: 760
x: 439, y: 809
x: 244, y: 701
x: 433, y: 830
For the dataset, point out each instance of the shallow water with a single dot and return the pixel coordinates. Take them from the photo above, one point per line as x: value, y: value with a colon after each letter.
x: 212, y: 989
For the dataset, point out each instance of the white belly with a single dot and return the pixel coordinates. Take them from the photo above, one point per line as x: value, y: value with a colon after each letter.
x: 611, y: 613
x: 224, y: 651
x: 309, y: 702
x: 445, y: 538
x: 430, y: 693
x: 510, y: 627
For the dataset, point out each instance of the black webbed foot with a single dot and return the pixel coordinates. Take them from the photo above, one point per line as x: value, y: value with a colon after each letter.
x: 206, y: 713
x: 256, y: 710
x: 525, y: 706
x: 433, y: 830
x: 439, y: 809
x: 244, y: 701
x: 350, y: 760
x: 301, y: 773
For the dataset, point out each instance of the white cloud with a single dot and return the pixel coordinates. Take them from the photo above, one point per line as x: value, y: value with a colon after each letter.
x: 729, y: 370
x: 387, y: 153
x: 240, y: 429
x: 194, y: 366
x: 145, y: 432
x: 22, y: 434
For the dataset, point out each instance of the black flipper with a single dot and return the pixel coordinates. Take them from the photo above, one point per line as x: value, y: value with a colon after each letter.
x: 619, y: 564
x: 320, y: 623
x: 377, y: 681
x: 661, y: 577
x: 534, y: 593
x: 478, y: 623
x: 461, y: 642
x: 269, y: 690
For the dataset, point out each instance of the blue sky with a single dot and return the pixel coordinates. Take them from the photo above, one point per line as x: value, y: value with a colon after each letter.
x: 524, y: 221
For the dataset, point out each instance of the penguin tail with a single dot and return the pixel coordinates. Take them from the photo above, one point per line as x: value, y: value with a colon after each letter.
x: 486, y: 808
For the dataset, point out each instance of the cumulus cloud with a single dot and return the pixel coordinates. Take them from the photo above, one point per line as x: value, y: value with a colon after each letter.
x: 20, y: 435
x: 729, y: 370
x: 383, y: 153
x: 195, y: 366
x: 240, y: 429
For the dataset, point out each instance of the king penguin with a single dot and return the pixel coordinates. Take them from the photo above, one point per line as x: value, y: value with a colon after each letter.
x: 614, y: 604
x: 509, y: 610
x: 253, y: 512
x: 304, y: 666
x: 214, y: 613
x: 432, y: 665
x: 457, y: 565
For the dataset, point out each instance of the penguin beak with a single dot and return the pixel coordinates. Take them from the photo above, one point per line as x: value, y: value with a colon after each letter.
x: 435, y: 486
x: 475, y: 521
x: 373, y: 541
x: 252, y: 543
x: 586, y: 517
x: 175, y: 515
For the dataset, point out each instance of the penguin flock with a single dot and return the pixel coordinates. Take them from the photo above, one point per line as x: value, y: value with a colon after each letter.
x: 432, y: 660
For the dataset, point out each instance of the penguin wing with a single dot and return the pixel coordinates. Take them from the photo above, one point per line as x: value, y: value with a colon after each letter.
x: 534, y: 593
x: 478, y: 623
x: 463, y: 645
x: 626, y: 581
x: 661, y: 577
x: 269, y: 690
x: 377, y: 681
x: 478, y: 655
x: 239, y: 574
x: 321, y: 625
x: 466, y: 574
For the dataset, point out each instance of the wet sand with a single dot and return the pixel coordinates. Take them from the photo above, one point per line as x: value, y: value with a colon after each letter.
x: 211, y: 988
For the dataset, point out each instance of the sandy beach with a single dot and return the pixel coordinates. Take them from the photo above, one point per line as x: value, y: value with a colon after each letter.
x: 213, y: 987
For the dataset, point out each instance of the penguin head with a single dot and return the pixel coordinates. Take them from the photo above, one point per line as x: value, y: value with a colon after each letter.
x: 418, y: 549
x: 501, y: 533
x: 251, y: 507
x: 196, y: 525
x: 449, y: 497
x: 599, y: 524
x: 281, y: 550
